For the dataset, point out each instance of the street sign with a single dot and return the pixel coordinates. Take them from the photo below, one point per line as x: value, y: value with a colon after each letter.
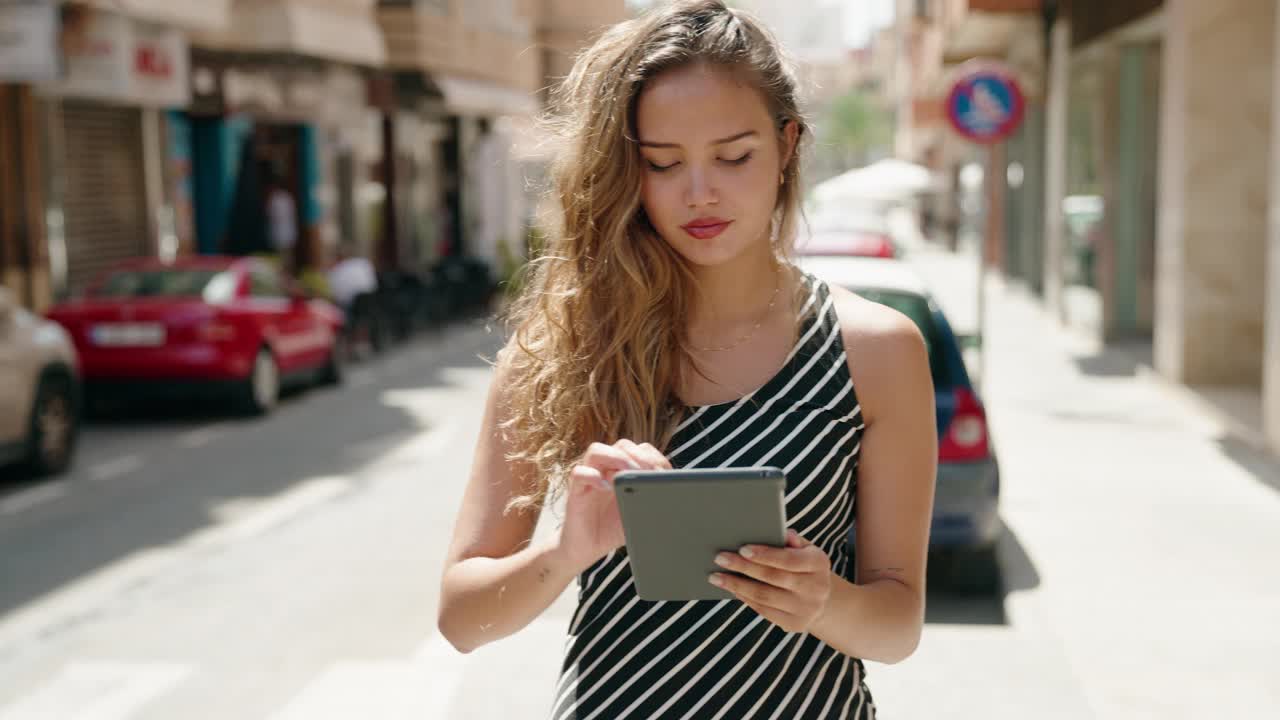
x: 986, y: 104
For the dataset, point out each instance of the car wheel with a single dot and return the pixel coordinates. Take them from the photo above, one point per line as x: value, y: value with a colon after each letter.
x: 968, y: 571
x: 262, y: 387
x: 54, y: 424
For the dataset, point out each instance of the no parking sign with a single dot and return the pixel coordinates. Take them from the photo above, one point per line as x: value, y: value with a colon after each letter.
x: 986, y: 104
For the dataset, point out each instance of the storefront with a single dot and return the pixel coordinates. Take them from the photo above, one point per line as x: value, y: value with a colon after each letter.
x: 1108, y: 214
x: 415, y: 130
x: 265, y: 128
x: 108, y: 196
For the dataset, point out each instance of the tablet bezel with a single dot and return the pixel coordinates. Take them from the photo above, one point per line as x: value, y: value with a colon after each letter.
x: 675, y: 521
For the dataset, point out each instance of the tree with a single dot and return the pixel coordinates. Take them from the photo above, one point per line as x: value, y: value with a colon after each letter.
x: 857, y: 127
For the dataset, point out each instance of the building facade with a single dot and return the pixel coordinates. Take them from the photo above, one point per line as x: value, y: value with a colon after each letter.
x: 1159, y: 172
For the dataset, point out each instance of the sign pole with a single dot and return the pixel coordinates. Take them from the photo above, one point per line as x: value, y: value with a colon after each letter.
x: 982, y: 269
x: 986, y: 106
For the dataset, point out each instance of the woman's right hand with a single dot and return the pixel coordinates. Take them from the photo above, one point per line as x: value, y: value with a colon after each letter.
x: 592, y: 526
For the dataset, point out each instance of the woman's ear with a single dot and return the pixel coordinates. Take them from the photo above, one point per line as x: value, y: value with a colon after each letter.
x: 790, y: 136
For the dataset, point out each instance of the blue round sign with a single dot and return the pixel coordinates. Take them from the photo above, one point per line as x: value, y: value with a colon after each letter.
x: 986, y: 105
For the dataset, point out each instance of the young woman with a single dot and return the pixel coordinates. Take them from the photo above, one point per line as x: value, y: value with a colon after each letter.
x: 664, y: 327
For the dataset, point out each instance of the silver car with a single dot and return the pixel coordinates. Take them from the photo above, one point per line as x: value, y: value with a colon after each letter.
x: 39, y: 390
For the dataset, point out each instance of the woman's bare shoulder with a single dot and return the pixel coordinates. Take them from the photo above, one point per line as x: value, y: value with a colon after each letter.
x: 885, y: 350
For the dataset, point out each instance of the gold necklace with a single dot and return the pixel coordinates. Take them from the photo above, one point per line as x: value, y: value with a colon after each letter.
x: 750, y: 333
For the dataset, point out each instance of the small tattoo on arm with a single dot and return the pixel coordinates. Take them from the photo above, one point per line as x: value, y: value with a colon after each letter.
x: 543, y: 574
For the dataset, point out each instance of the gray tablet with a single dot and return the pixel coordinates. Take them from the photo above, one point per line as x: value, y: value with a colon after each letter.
x: 675, y: 521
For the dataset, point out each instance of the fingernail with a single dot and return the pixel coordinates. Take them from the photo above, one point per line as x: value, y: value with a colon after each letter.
x: 715, y: 580
x: 746, y: 552
x: 722, y: 560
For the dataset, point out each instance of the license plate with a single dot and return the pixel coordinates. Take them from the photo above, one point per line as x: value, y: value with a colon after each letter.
x: 128, y: 335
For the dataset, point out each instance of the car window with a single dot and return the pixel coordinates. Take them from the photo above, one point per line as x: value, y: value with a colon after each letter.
x: 265, y: 284
x: 921, y: 313
x: 160, y: 282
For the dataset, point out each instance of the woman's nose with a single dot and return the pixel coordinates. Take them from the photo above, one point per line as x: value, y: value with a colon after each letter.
x: 701, y: 190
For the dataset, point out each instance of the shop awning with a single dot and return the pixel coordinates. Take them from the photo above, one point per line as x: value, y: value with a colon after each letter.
x: 985, y: 34
x: 344, y: 33
x: 475, y: 97
x: 187, y: 14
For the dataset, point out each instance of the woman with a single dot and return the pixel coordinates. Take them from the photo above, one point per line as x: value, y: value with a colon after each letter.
x: 663, y: 327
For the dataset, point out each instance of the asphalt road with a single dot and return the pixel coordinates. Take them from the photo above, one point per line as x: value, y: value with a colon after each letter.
x: 197, y: 565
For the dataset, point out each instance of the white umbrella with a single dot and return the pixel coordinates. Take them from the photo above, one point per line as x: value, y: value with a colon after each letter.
x: 884, y: 181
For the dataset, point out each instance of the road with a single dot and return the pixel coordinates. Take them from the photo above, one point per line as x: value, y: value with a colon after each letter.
x: 197, y: 566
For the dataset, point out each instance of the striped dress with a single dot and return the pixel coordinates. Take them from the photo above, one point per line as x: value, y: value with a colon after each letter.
x: 630, y: 658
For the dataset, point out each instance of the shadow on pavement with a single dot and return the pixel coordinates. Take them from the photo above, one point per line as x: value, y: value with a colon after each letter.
x: 181, y: 490
x: 1120, y: 359
x: 1259, y: 463
x: 947, y: 605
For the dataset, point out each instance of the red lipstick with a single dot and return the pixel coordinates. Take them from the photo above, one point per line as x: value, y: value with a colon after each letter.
x: 705, y: 228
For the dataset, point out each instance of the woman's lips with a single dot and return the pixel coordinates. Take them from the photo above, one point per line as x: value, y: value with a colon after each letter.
x: 706, y: 231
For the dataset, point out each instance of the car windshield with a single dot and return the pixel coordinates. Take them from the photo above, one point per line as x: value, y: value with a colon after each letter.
x: 917, y: 308
x: 209, y: 284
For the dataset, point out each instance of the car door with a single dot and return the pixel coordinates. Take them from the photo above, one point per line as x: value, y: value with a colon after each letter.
x: 314, y: 332
x: 283, y: 326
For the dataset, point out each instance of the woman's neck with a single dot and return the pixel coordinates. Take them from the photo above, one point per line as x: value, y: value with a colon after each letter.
x: 736, y: 293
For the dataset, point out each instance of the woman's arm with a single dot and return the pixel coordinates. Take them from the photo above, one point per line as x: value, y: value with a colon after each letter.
x: 881, y: 617
x: 495, y: 582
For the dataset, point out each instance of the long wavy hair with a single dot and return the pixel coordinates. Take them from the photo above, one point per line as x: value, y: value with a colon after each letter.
x: 600, y: 329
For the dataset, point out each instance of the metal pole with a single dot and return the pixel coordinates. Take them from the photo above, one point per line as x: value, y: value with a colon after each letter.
x: 993, y: 214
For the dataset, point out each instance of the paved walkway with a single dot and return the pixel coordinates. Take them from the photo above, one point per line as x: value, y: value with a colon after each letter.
x: 1142, y: 554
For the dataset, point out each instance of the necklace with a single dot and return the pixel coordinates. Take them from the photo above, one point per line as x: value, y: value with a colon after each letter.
x: 750, y: 333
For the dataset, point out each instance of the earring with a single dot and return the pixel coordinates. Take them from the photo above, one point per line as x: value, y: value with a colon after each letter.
x: 782, y: 178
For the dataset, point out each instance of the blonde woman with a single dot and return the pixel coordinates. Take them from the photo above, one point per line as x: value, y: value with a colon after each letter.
x: 664, y: 327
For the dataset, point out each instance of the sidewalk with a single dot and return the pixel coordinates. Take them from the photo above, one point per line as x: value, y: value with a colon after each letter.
x: 1141, y: 554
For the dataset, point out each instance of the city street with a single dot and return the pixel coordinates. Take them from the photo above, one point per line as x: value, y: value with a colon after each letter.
x: 199, y: 566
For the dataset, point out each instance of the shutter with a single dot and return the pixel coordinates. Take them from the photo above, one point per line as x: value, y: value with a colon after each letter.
x: 104, y: 204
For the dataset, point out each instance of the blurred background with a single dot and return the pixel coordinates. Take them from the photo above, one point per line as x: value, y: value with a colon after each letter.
x: 251, y: 253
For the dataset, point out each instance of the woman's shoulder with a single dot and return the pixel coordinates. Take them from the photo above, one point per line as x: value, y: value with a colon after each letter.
x: 885, y: 350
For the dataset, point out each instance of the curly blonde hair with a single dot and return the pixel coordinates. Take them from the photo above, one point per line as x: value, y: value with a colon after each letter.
x: 600, y: 329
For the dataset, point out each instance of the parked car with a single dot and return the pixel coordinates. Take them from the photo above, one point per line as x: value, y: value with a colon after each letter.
x: 965, y: 523
x: 204, y: 324
x: 39, y: 390
x: 858, y: 234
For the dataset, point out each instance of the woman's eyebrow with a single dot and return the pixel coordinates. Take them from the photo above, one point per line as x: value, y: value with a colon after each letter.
x: 721, y: 141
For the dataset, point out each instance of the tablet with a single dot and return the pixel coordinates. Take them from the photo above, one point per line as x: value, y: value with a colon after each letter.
x: 676, y: 521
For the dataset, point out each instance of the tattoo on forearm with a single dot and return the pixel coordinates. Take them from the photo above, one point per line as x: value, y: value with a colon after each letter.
x: 543, y: 574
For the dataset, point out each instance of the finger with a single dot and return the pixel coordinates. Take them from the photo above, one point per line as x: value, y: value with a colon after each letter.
x: 659, y: 459
x: 646, y: 455
x: 588, y: 478
x: 764, y: 573
x: 631, y: 450
x: 781, y: 618
x: 797, y: 560
x: 754, y: 591
x: 607, y: 457
x: 795, y: 540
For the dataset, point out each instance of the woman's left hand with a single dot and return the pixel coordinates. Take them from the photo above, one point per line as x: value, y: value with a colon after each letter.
x: 789, y: 586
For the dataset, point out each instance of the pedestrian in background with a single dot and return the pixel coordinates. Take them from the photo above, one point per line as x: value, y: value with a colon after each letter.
x: 665, y: 327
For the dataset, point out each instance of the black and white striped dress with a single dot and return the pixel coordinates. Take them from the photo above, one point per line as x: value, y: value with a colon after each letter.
x: 630, y: 658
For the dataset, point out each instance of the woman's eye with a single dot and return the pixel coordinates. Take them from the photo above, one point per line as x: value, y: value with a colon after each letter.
x: 660, y: 168
x: 742, y: 160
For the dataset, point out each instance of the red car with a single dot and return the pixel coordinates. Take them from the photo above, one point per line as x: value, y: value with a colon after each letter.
x: 849, y: 235
x: 203, y: 322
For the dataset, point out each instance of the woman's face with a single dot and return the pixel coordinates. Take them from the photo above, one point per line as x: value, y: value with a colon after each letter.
x: 711, y: 159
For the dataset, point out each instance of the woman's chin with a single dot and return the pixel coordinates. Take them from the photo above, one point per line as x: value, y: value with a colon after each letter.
x: 709, y: 254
